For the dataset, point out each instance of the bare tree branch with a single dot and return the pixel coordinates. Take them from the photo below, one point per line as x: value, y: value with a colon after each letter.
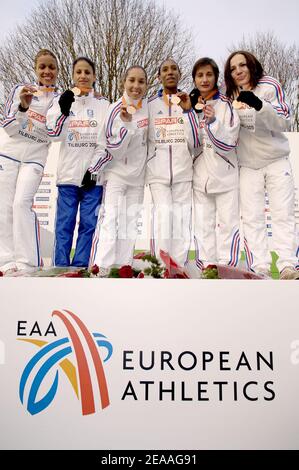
x: 113, y: 33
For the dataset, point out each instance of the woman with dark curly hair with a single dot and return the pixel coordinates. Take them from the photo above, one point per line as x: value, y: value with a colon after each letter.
x: 264, y: 164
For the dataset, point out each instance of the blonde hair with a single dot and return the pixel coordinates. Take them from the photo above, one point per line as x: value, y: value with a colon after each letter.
x: 42, y: 52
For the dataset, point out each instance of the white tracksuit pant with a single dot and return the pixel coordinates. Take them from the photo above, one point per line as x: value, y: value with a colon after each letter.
x: 216, y: 244
x: 116, y: 232
x: 19, y: 231
x: 171, y: 224
x: 277, y: 179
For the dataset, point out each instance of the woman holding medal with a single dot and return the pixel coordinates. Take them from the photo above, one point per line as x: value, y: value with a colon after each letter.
x: 126, y: 132
x: 77, y: 119
x: 173, y: 139
x: 23, y: 154
x: 264, y: 160
x: 215, y: 177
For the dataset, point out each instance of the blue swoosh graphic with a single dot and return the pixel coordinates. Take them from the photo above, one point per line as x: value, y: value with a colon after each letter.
x: 35, y: 360
x: 105, y: 344
x: 36, y: 407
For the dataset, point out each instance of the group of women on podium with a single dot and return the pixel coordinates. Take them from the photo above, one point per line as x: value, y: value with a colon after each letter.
x: 213, y: 148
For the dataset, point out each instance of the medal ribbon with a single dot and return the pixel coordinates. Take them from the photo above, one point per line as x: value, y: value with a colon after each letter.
x: 166, y: 99
x: 209, y: 96
x: 137, y: 106
x: 46, y: 89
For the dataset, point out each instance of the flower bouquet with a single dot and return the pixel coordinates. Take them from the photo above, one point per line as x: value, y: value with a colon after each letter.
x: 220, y: 271
x: 146, y: 265
x: 150, y: 266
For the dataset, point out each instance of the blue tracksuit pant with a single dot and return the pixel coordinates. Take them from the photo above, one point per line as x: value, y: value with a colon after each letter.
x: 69, y: 199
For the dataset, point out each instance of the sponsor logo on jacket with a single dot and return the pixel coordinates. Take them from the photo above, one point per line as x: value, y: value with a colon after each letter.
x: 142, y: 123
x: 81, y: 123
x: 166, y: 121
x: 36, y: 116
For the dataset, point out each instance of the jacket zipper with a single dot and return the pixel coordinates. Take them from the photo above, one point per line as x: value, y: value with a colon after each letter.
x: 226, y: 160
x: 170, y: 147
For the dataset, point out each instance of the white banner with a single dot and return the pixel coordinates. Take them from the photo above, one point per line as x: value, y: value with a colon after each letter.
x: 109, y: 364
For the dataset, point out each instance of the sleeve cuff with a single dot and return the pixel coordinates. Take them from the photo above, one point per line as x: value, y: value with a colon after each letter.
x: 21, y: 109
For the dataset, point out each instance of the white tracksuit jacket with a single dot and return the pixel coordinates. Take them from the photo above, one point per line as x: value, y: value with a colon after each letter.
x: 127, y: 143
x: 263, y: 154
x: 116, y: 231
x: 216, y: 167
x: 261, y: 134
x: 215, y: 187
x: 23, y: 155
x: 173, y: 139
x: 82, y: 136
x: 26, y: 137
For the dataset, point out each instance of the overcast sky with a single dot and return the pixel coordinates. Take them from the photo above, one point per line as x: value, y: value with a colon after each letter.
x: 215, y: 25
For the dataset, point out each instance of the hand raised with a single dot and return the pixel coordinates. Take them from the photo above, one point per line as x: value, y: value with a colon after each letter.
x: 185, y: 102
x: 124, y: 115
x: 26, y: 96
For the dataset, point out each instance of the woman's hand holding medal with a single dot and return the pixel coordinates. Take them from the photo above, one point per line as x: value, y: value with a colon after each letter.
x: 182, y: 99
x: 249, y: 98
x: 29, y: 91
x: 209, y: 113
x: 125, y: 116
x: 26, y: 96
x: 65, y: 102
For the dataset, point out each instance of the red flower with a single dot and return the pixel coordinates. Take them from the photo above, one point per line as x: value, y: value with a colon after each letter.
x: 140, y: 275
x: 95, y: 269
x: 125, y: 272
x: 1, y: 273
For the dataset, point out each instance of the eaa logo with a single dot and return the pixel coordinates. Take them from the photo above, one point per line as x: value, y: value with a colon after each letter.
x: 75, y: 356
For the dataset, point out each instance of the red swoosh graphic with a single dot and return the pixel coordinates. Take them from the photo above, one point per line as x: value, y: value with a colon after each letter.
x: 87, y: 399
x: 96, y: 360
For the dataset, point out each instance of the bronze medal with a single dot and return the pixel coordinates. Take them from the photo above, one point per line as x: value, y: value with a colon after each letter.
x: 131, y: 109
x: 76, y: 91
x: 237, y: 104
x: 199, y: 106
x: 37, y: 93
x: 175, y: 100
